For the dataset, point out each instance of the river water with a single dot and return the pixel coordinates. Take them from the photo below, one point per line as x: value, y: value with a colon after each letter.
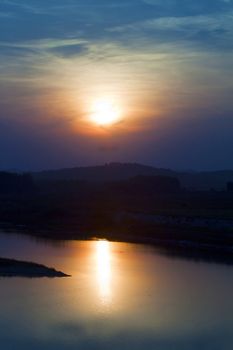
x: 120, y: 296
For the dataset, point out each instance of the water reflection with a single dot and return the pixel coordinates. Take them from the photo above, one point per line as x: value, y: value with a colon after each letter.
x: 120, y: 296
x: 103, y: 270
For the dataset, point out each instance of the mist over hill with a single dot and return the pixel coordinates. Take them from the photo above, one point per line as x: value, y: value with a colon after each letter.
x: 122, y: 171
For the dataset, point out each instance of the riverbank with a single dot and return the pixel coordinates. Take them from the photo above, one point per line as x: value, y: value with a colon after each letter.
x: 196, y: 223
x: 193, y: 243
x: 16, y: 268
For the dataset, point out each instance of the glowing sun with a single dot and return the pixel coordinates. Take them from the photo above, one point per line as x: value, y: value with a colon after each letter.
x: 105, y: 112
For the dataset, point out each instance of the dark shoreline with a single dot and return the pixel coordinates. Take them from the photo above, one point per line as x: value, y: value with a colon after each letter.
x: 171, y: 241
x: 185, y: 223
x: 18, y: 268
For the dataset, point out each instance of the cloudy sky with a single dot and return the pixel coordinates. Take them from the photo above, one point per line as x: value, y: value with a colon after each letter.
x: 164, y: 66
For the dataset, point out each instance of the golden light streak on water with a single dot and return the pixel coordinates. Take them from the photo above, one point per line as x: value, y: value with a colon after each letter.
x: 103, y: 270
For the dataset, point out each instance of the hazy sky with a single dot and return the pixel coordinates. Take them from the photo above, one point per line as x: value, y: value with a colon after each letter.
x: 165, y: 65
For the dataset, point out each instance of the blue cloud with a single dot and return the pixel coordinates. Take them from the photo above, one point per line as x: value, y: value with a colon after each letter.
x: 70, y: 50
x: 97, y: 20
x: 15, y: 51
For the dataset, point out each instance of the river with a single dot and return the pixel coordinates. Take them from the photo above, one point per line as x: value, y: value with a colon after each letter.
x: 121, y: 296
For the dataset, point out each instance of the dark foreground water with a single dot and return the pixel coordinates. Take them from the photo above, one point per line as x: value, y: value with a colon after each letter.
x: 120, y: 296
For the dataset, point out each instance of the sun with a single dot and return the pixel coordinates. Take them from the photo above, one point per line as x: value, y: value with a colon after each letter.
x: 105, y: 112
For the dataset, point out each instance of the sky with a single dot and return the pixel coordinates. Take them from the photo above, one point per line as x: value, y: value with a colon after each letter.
x: 164, y: 67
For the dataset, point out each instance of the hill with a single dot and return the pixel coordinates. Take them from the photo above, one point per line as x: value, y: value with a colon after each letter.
x: 103, y: 173
x: 122, y: 171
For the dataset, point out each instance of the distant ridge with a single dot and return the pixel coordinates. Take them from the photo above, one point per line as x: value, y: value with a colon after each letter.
x: 102, y: 173
x: 121, y: 171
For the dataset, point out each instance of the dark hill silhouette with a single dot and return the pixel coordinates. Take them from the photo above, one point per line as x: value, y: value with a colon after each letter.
x: 122, y: 171
x: 102, y: 173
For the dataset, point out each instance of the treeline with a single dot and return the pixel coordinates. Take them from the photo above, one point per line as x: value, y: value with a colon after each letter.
x: 82, y: 206
x: 13, y: 183
x: 147, y: 185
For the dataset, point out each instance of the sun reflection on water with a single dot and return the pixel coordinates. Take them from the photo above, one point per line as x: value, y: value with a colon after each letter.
x: 103, y: 270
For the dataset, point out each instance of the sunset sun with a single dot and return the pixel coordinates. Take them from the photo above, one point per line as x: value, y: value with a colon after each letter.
x: 105, y: 112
